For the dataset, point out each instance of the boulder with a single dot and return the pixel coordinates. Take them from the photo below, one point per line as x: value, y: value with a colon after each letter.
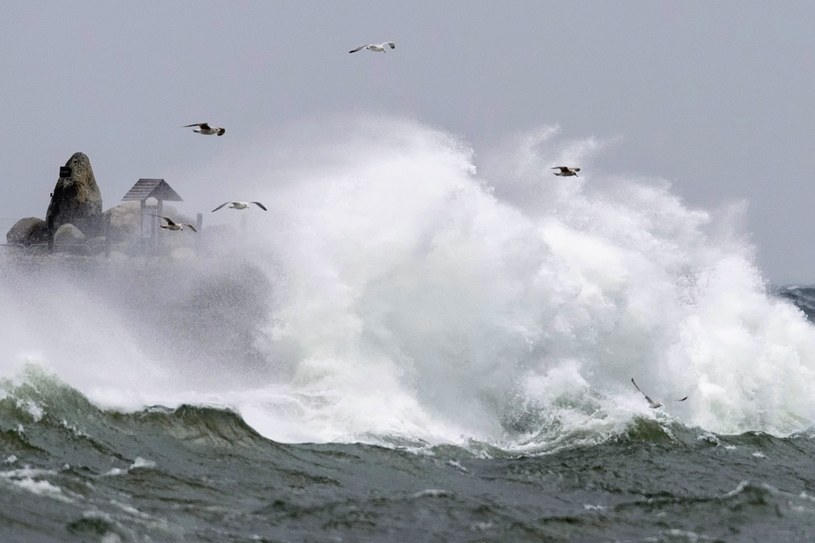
x: 28, y: 231
x: 76, y: 198
x: 124, y: 222
x: 69, y: 237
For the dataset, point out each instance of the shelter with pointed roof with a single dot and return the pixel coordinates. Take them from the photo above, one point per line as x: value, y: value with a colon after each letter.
x: 145, y: 189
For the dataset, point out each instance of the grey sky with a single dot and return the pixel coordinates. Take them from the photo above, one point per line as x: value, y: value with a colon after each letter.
x: 715, y: 97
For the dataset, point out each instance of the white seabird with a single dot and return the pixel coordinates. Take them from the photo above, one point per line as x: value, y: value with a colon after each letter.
x: 651, y: 403
x: 239, y: 205
x: 566, y: 171
x: 206, y: 129
x: 172, y: 225
x: 377, y: 47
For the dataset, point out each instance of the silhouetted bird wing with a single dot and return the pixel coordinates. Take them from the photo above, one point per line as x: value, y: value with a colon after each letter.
x: 169, y: 221
x: 651, y: 403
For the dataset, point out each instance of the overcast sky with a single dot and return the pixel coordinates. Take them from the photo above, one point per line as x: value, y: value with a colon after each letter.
x: 715, y: 97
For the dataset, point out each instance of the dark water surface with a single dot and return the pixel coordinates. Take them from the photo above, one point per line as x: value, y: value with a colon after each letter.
x: 71, y: 472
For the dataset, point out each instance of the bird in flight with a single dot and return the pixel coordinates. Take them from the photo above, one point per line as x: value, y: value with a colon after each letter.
x: 239, y: 205
x: 651, y: 403
x: 566, y: 171
x: 377, y: 47
x: 172, y: 225
x: 206, y: 129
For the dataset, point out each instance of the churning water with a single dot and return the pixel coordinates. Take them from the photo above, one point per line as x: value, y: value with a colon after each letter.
x: 414, y: 342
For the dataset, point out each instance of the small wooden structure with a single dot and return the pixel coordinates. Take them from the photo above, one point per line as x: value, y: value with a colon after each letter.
x: 151, y: 188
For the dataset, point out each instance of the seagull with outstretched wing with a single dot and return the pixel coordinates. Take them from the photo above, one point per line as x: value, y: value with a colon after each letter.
x: 172, y: 225
x: 239, y: 205
x: 651, y: 403
x: 206, y: 129
x: 376, y: 47
x: 566, y: 171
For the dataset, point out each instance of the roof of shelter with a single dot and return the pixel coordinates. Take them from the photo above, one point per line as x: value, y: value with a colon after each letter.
x: 155, y: 188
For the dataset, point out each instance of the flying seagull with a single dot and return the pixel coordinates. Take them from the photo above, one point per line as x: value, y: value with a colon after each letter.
x: 206, y: 129
x: 172, y: 225
x: 377, y: 47
x: 566, y: 171
x: 239, y: 205
x: 651, y: 403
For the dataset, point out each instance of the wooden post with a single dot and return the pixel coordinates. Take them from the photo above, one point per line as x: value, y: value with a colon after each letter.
x: 141, y: 219
x: 141, y: 226
x: 156, y: 225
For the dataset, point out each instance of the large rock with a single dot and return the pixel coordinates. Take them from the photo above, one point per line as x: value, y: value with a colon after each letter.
x: 124, y: 222
x: 76, y: 199
x: 68, y: 234
x: 69, y: 238
x: 28, y: 231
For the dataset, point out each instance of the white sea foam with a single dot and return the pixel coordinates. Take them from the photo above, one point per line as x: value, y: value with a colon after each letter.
x: 35, y: 411
x: 138, y: 463
x: 43, y: 488
x: 412, y: 294
x: 32, y: 480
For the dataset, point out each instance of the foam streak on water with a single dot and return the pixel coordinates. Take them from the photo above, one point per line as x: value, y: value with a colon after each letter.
x: 395, y: 290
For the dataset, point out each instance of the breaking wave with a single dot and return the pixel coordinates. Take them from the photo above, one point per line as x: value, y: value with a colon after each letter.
x: 401, y: 286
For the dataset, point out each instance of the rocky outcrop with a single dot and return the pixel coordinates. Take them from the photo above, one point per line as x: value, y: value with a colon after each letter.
x: 76, y: 199
x: 28, y: 231
x: 75, y: 223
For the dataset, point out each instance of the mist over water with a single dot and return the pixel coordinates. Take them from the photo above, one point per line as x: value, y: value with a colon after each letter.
x: 403, y: 286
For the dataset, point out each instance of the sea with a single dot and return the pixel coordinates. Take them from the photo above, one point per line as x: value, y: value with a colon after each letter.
x: 415, y: 343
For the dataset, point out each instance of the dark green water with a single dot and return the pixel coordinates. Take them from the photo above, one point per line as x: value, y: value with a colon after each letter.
x: 72, y: 472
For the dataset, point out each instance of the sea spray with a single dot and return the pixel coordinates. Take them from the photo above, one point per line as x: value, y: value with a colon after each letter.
x: 393, y: 290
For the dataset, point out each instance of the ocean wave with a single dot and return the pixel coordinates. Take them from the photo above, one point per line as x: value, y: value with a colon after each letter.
x: 404, y: 286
